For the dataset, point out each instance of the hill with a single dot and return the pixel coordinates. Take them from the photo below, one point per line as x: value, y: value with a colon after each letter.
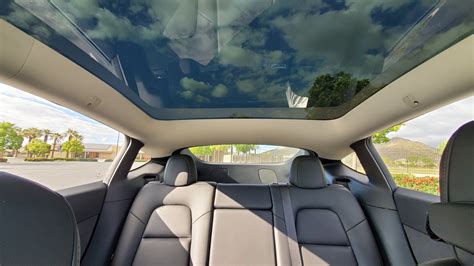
x: 400, y: 149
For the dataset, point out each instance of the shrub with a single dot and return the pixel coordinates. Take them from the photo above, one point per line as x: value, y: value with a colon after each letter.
x: 427, y: 184
x: 3, y: 160
x: 37, y: 159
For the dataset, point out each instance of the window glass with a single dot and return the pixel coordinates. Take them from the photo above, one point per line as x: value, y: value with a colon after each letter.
x: 412, y: 150
x: 142, y: 158
x: 50, y: 144
x: 352, y: 161
x: 245, y: 153
x: 254, y: 59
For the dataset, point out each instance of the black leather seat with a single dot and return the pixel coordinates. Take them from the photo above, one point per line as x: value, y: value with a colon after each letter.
x: 452, y: 220
x: 330, y: 227
x: 169, y: 223
x: 37, y: 225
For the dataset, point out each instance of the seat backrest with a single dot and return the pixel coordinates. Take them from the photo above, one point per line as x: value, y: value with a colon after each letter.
x: 37, y: 225
x: 452, y: 219
x: 330, y: 225
x: 169, y: 223
x: 242, y: 231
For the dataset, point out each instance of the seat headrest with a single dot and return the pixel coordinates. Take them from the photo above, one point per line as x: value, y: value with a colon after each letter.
x: 307, y: 172
x: 456, y: 168
x: 180, y: 170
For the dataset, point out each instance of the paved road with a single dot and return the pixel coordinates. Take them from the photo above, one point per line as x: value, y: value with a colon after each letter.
x: 58, y: 175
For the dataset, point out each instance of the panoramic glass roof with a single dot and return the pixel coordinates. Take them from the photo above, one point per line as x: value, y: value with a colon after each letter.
x: 245, y: 59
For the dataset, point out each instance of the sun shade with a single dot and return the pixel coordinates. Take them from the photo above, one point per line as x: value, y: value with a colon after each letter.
x: 193, y: 59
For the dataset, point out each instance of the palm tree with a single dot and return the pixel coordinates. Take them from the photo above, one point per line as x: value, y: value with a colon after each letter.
x: 31, y: 133
x: 56, y: 138
x: 72, y: 134
x: 46, y: 134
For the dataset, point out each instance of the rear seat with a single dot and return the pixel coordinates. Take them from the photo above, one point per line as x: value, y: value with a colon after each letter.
x: 329, y: 223
x: 170, y: 223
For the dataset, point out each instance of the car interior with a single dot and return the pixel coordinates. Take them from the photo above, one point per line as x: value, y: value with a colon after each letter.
x: 172, y: 75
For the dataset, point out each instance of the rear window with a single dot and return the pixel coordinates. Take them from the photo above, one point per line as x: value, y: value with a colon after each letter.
x: 245, y: 153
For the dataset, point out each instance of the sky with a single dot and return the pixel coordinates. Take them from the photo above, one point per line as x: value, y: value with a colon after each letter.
x: 26, y: 110
x: 437, y: 126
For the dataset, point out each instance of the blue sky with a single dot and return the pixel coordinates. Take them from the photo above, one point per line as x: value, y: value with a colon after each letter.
x: 26, y: 110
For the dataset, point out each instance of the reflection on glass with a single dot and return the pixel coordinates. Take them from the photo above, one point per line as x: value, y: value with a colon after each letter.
x: 322, y: 56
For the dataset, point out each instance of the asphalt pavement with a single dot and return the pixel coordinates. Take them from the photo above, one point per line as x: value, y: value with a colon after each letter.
x: 58, y: 175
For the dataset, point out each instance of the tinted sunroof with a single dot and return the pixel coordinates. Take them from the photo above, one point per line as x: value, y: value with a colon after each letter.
x: 245, y: 59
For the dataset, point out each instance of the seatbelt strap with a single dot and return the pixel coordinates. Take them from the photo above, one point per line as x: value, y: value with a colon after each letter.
x: 293, y: 245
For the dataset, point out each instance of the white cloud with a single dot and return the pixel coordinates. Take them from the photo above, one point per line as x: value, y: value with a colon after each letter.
x: 437, y: 126
x: 26, y: 110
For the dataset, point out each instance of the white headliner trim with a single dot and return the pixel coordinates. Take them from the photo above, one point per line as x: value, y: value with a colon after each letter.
x: 28, y: 64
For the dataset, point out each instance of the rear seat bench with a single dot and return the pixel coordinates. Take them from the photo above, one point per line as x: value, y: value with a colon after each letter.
x: 184, y: 222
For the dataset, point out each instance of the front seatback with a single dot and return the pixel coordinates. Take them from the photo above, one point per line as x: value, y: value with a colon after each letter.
x: 452, y: 219
x: 242, y: 231
x: 169, y: 223
x: 330, y: 225
x: 37, y: 225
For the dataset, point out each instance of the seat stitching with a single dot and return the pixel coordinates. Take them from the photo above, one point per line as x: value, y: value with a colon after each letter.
x: 201, y: 216
x: 137, y: 218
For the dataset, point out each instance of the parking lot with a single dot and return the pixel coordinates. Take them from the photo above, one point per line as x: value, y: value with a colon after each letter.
x: 58, y: 175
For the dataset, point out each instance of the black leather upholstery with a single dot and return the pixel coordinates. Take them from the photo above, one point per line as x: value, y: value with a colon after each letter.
x: 452, y: 220
x: 37, y: 225
x: 330, y: 225
x: 180, y: 171
x: 168, y: 224
x: 307, y: 172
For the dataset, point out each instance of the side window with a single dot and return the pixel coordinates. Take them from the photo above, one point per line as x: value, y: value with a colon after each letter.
x: 412, y: 150
x: 50, y: 144
x: 142, y: 158
x: 352, y: 161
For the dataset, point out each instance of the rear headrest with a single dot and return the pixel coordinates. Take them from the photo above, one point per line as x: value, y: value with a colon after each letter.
x: 456, y: 168
x: 180, y: 170
x: 307, y: 172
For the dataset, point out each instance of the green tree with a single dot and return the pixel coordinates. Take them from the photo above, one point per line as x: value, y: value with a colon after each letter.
x: 381, y: 136
x: 201, y: 150
x: 38, y: 148
x: 71, y: 134
x: 10, y: 138
x: 245, y: 148
x: 73, y: 146
x: 31, y: 134
x: 333, y: 90
x: 442, y: 146
x: 46, y: 133
x: 56, y: 139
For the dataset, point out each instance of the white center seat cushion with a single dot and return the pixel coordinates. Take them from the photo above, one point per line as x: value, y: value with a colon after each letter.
x: 242, y: 231
x: 169, y: 224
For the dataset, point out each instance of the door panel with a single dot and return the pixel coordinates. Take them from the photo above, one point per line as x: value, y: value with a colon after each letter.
x: 86, y: 201
x: 413, y: 208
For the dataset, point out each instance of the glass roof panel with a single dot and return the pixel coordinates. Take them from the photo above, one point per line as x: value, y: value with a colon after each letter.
x: 245, y: 59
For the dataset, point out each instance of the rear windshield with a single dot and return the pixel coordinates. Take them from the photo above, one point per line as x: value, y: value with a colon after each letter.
x: 245, y: 154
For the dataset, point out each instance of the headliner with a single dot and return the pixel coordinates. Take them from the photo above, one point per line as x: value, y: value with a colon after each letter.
x: 32, y: 66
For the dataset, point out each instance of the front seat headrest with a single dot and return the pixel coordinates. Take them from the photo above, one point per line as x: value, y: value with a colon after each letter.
x: 180, y: 170
x: 457, y: 166
x: 307, y: 172
x: 451, y: 220
x: 37, y: 225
